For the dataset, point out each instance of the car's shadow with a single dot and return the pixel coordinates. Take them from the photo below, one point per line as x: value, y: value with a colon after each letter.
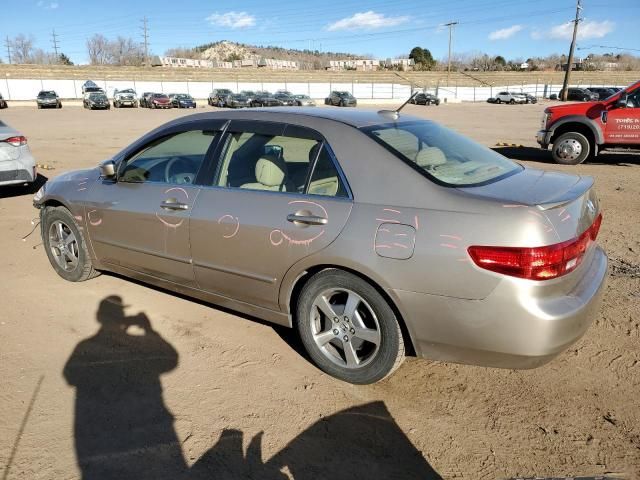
x: 124, y: 430
x: 532, y: 154
x: 9, y: 191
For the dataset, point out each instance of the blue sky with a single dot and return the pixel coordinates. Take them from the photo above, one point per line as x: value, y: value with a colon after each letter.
x: 380, y: 28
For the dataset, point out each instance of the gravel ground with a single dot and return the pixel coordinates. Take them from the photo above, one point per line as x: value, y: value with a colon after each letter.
x: 205, y: 393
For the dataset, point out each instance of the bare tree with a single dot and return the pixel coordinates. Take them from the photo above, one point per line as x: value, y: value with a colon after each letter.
x: 98, y: 50
x: 124, y: 51
x: 22, y: 48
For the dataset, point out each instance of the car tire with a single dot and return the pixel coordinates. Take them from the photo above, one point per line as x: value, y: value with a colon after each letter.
x: 54, y: 219
x: 498, y: 101
x: 571, y: 148
x: 376, y: 319
x: 512, y: 102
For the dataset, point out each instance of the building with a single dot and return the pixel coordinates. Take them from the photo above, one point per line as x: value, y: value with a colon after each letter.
x: 184, y: 62
x: 364, y: 65
x: 269, y: 63
x: 402, y: 63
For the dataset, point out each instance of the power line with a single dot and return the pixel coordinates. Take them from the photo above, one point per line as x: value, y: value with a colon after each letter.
x: 450, y: 25
x: 145, y: 35
x: 564, y: 92
x: 8, y: 45
x: 54, y: 41
x: 608, y: 46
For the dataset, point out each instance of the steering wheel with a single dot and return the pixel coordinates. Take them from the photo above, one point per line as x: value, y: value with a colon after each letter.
x: 182, y: 178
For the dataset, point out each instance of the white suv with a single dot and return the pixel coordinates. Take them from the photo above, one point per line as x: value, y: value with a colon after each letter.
x: 511, y: 97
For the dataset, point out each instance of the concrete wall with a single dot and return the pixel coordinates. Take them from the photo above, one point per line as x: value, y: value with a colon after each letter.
x: 27, y: 89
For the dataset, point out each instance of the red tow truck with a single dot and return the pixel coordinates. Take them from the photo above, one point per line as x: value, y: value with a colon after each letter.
x: 578, y: 131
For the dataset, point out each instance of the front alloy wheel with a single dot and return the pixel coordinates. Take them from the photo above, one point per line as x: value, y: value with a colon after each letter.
x: 63, y: 245
x: 348, y: 328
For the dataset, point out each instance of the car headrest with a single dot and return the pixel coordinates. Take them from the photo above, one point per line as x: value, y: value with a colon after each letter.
x: 271, y: 170
x: 430, y: 157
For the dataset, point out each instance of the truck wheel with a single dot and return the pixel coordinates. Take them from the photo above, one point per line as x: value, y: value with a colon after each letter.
x: 348, y: 328
x: 571, y: 148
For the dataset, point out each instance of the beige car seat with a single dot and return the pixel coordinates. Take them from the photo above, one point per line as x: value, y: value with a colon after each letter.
x: 271, y: 173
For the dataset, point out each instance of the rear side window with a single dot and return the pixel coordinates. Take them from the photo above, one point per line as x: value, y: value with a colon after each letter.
x: 279, y: 163
x: 441, y: 154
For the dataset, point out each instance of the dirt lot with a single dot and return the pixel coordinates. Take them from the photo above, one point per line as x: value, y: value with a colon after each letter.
x: 221, y: 396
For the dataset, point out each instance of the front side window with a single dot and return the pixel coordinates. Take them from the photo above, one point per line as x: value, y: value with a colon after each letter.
x: 175, y: 159
x: 442, y: 154
x: 278, y: 163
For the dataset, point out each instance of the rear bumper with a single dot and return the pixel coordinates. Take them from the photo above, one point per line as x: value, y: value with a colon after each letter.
x: 521, y: 324
x: 543, y: 137
x: 16, y: 172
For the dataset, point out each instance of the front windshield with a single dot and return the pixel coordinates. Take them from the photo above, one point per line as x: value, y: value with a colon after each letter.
x: 48, y: 94
x: 159, y: 95
x: 183, y: 96
x: 127, y: 90
x: 97, y: 96
x: 442, y: 154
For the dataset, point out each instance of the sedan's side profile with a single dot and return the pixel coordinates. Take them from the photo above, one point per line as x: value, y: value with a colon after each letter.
x: 373, y: 234
x: 17, y: 165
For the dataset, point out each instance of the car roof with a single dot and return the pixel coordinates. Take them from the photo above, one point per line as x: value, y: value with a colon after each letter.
x: 357, y: 118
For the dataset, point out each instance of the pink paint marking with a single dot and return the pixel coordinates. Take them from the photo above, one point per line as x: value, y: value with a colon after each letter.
x: 448, y: 245
x: 177, y: 189
x: 170, y: 225
x: 533, y: 212
x: 94, y: 223
x: 382, y: 246
x: 399, y: 245
x: 392, y: 210
x: 291, y: 241
x: 386, y: 220
x: 78, y: 218
x: 565, y: 218
x: 416, y: 220
x: 81, y: 189
x: 453, y: 237
x: 385, y: 230
x: 561, y: 212
x: 514, y: 206
x: 234, y: 219
x: 399, y: 234
x: 307, y: 202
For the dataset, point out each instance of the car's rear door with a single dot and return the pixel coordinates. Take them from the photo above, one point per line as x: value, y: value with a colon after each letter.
x: 277, y: 196
x: 141, y: 220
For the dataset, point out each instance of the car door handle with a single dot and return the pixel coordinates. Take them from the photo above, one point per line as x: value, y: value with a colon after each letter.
x: 306, y: 219
x: 173, y: 204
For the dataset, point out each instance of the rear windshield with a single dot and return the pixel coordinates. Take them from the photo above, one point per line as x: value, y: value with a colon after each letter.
x: 441, y: 154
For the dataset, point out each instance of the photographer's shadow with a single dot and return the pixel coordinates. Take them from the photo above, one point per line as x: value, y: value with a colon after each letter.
x: 123, y: 430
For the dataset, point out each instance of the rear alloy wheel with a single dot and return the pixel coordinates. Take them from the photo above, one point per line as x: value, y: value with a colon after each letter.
x: 571, y: 148
x: 498, y: 100
x: 348, y: 328
x: 65, y: 245
x: 512, y: 101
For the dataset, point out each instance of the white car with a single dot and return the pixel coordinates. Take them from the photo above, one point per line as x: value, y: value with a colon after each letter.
x: 511, y: 97
x: 17, y: 165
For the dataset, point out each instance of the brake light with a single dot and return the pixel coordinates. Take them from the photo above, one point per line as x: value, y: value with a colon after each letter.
x: 17, y: 141
x: 537, y: 263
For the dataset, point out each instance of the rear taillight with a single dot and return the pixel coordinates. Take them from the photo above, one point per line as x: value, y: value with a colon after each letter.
x: 537, y: 263
x: 17, y: 141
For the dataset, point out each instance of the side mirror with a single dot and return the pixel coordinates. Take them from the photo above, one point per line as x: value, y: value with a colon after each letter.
x: 622, y: 102
x: 108, y: 169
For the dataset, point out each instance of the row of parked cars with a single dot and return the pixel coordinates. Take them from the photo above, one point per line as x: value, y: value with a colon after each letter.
x: 225, y: 98
x: 590, y: 94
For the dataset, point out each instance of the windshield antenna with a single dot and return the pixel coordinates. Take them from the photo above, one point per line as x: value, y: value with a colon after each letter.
x: 395, y: 114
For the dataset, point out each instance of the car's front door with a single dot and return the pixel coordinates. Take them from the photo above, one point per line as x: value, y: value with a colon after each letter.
x: 623, y: 123
x: 140, y: 221
x: 277, y: 197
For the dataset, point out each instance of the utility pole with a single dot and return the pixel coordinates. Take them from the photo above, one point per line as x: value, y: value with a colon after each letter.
x: 145, y: 35
x: 8, y: 45
x: 54, y: 41
x: 567, y: 74
x: 450, y: 25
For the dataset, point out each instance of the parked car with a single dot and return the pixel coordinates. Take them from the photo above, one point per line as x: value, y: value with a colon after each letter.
x: 284, y: 92
x: 48, y: 99
x: 366, y: 266
x: 286, y: 99
x: 529, y: 98
x: 510, y: 97
x: 145, y: 99
x: 602, y: 92
x: 96, y: 101
x: 491, y: 100
x: 265, y: 99
x: 579, y: 131
x: 341, y: 99
x: 90, y: 86
x: 250, y: 94
x: 159, y: 100
x: 123, y: 97
x: 579, y: 94
x: 17, y: 165
x: 304, y: 101
x: 425, y: 99
x: 182, y: 100
x: 237, y: 100
x: 218, y: 98
x: 3, y: 102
